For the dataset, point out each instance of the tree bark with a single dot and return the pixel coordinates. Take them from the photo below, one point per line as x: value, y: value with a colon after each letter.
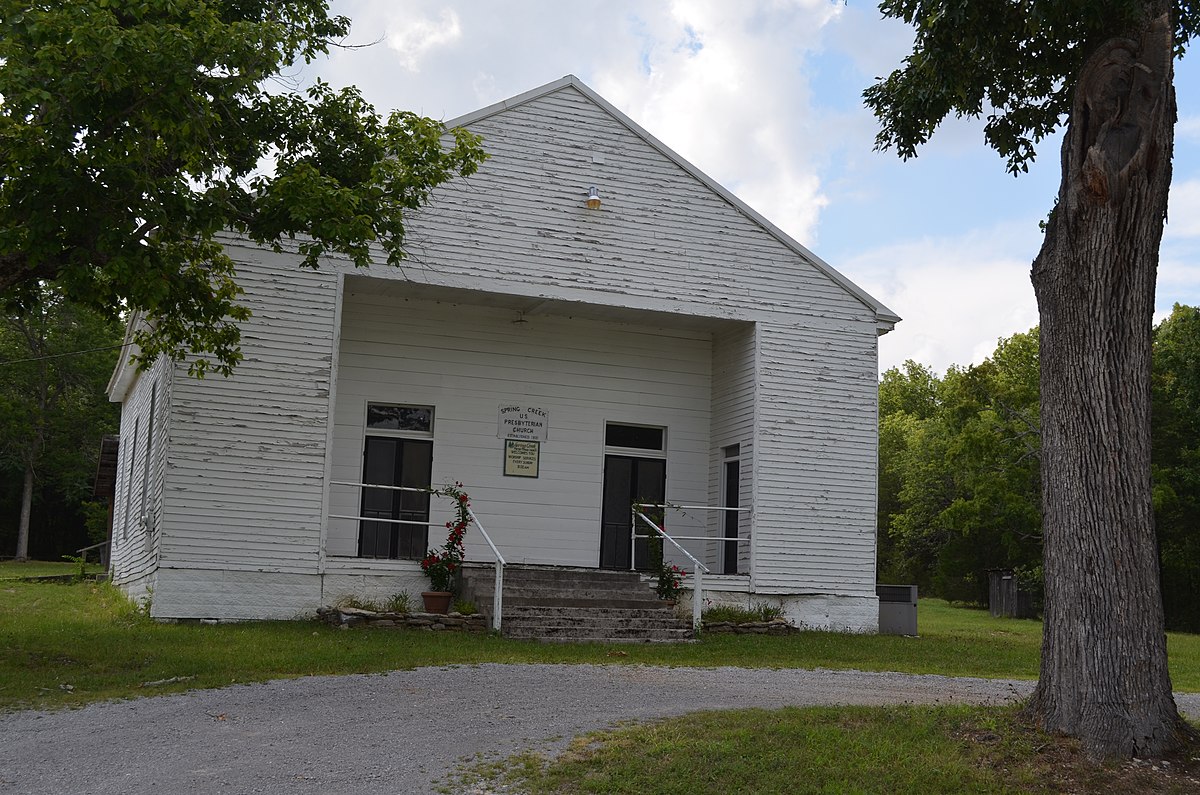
x: 26, y: 509
x: 1104, y: 672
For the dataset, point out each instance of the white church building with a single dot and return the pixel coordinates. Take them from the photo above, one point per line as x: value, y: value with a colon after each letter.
x: 560, y: 357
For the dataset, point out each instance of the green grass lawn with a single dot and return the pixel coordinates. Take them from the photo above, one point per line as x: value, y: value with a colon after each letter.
x: 66, y: 644
x: 923, y: 750
x: 11, y: 570
x: 69, y: 644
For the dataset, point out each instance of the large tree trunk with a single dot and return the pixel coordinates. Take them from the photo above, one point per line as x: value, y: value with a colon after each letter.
x: 1104, y: 658
x: 26, y: 510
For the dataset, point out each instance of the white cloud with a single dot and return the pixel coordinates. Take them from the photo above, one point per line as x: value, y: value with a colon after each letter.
x: 1188, y: 128
x: 957, y: 295
x: 723, y: 84
x: 1183, y: 210
x: 413, y: 38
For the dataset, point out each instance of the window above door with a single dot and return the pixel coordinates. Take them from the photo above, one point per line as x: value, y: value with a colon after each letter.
x: 388, y: 419
x: 642, y: 438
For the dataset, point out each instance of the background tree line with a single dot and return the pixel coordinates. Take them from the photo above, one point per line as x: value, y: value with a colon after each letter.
x: 960, y: 475
x: 55, y: 361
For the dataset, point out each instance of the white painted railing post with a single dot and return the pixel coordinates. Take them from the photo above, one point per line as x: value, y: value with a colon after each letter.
x: 498, y: 594
x: 633, y: 538
x: 697, y: 567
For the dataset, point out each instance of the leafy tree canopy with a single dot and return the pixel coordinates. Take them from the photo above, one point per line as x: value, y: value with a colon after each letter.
x: 959, y: 475
x: 1015, y: 62
x: 132, y: 134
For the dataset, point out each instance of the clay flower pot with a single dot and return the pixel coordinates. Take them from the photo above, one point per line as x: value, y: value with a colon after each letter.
x: 437, y: 601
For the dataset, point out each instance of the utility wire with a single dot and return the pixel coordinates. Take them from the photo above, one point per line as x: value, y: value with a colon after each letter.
x: 61, y: 355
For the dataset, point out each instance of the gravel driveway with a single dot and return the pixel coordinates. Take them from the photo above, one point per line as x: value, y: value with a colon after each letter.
x: 402, y: 732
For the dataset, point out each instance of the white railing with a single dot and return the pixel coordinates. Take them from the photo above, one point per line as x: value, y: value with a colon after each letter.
x: 699, y: 569
x: 498, y: 594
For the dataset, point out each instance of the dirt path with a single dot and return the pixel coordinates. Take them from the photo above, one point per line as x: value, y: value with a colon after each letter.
x: 401, y: 732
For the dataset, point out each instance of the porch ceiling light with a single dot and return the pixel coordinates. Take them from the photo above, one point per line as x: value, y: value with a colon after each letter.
x: 593, y: 198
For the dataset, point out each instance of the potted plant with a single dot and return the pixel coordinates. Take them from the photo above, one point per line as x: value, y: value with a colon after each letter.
x: 441, y: 565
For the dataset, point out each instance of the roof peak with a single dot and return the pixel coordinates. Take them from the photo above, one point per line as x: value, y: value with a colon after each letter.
x: 886, y: 317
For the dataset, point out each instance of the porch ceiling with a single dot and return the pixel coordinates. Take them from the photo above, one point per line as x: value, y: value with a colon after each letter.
x: 534, y: 305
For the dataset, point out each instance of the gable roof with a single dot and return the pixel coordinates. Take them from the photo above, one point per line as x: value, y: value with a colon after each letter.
x: 885, y: 317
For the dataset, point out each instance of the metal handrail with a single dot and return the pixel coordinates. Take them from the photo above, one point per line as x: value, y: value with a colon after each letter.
x: 698, y: 585
x: 699, y: 569
x: 100, y: 546
x: 497, y: 596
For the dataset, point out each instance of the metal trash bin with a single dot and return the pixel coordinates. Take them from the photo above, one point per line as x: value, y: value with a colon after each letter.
x: 897, y: 609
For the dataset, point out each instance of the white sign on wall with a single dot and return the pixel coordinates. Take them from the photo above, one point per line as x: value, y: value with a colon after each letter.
x: 517, y: 421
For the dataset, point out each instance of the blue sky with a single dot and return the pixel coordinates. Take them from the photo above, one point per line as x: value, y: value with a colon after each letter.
x: 765, y: 97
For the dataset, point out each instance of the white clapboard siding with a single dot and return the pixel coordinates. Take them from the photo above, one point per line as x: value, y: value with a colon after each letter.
x: 141, y: 467
x: 733, y: 402
x: 816, y: 460
x: 465, y: 360
x: 248, y: 452
x: 661, y: 240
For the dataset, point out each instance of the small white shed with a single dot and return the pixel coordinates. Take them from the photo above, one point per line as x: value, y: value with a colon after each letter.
x: 558, y: 359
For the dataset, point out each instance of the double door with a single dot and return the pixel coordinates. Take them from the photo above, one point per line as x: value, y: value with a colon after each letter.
x: 628, y: 479
x: 391, y: 461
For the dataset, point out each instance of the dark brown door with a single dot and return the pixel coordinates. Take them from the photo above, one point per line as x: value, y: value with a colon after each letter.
x: 627, y: 480
x: 391, y: 461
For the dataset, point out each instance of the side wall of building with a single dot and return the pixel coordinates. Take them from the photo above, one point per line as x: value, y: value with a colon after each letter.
x: 141, y: 474
x: 243, y: 501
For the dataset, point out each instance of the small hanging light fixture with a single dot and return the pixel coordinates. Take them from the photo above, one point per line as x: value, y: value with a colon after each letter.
x: 593, y: 198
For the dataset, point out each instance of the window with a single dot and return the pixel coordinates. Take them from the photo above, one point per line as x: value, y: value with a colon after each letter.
x: 634, y: 437
x: 149, y: 448
x: 397, y: 451
x: 414, y: 419
x: 129, y: 480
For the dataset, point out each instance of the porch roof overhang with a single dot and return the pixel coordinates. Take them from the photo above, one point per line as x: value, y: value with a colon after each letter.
x: 524, y: 305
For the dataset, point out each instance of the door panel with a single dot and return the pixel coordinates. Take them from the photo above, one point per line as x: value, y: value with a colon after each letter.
x: 626, y: 480
x: 395, y: 462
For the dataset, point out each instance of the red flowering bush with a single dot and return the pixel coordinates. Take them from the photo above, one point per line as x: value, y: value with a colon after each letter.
x: 670, y: 581
x: 440, y: 565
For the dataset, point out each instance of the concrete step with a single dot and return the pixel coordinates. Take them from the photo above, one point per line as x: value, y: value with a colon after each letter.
x: 598, y: 595
x: 616, y: 621
x: 543, y: 612
x: 575, y: 631
x: 689, y: 639
x: 565, y: 604
x: 552, y: 600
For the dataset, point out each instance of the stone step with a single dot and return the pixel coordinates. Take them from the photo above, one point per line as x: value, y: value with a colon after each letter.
x: 585, y: 613
x: 586, y: 592
x: 614, y: 623
x: 565, y: 604
x: 605, y: 634
x: 688, y: 639
x: 613, y: 602
x: 573, y: 578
